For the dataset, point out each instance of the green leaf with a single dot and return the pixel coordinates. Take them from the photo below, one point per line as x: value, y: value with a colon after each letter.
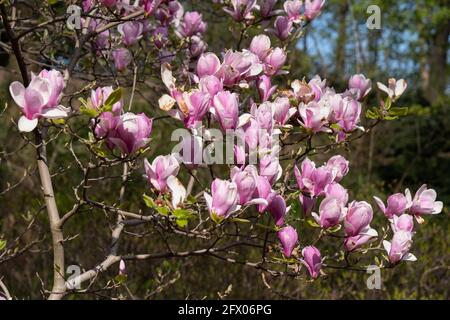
x: 182, y: 217
x: 312, y: 223
x: 162, y: 210
x: 90, y: 112
x: 239, y: 220
x: 113, y: 98
x: 2, y: 244
x: 334, y: 229
x: 182, y: 222
x: 373, y: 113
x: 191, y: 199
x: 182, y: 213
x: 121, y: 278
x: 149, y: 201
x: 217, y: 219
x: 388, y: 103
x: 398, y: 111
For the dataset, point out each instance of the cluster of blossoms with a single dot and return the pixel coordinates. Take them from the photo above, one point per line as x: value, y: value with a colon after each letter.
x: 400, y: 210
x: 40, y: 99
x: 294, y: 13
x: 216, y: 96
x: 168, y: 16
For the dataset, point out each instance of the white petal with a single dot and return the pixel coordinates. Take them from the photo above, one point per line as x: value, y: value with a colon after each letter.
x: 42, y: 86
x: 408, y: 198
x: 17, y: 91
x: 316, y: 217
x: 400, y: 87
x: 178, y: 190
x: 258, y: 201
x: 372, y: 232
x: 208, y: 200
x: 380, y: 204
x: 387, y: 246
x: 409, y: 257
x: 437, y: 208
x: 243, y: 119
x: 383, y: 88
x: 167, y: 77
x: 166, y: 102
x: 27, y: 125
x: 54, y: 113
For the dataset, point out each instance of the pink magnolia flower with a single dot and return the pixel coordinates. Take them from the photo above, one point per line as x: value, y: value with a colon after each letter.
x: 307, y: 202
x: 313, y: 8
x: 265, y: 88
x: 355, y: 242
x: 39, y: 99
x: 345, y: 112
x: 264, y: 191
x: 282, y: 110
x: 160, y: 170
x: 282, y: 28
x: 312, y: 180
x: 122, y: 268
x: 424, y: 202
x: 57, y: 85
x: 245, y: 181
x: 398, y: 249
x: 150, y: 6
x: 237, y: 66
x: 292, y: 8
x: 226, y: 109
x: 314, y: 116
x: 318, y: 87
x: 288, y: 238
x: 263, y: 116
x: 197, y: 46
x: 269, y: 167
x: 396, y: 205
x: 302, y: 91
x: 359, y: 215
x: 278, y: 209
x: 404, y: 222
x: 210, y: 85
x: 105, y: 126
x: 394, y: 89
x: 241, y: 9
x: 360, y: 86
x: 320, y: 179
x: 207, y: 65
x: 224, y: 198
x: 331, y: 212
x: 122, y: 58
x: 131, y: 133
x: 274, y: 61
x: 260, y: 46
x: 266, y: 7
x: 192, y: 24
x: 99, y: 97
x: 171, y: 13
x: 335, y: 190
x: 131, y: 32
x: 160, y: 36
x: 197, y: 104
x: 312, y: 260
x: 339, y: 166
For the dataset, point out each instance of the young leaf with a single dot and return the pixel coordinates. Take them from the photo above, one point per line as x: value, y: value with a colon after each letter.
x: 113, y: 98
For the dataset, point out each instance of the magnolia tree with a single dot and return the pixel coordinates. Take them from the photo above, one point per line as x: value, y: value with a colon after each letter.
x: 265, y: 192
